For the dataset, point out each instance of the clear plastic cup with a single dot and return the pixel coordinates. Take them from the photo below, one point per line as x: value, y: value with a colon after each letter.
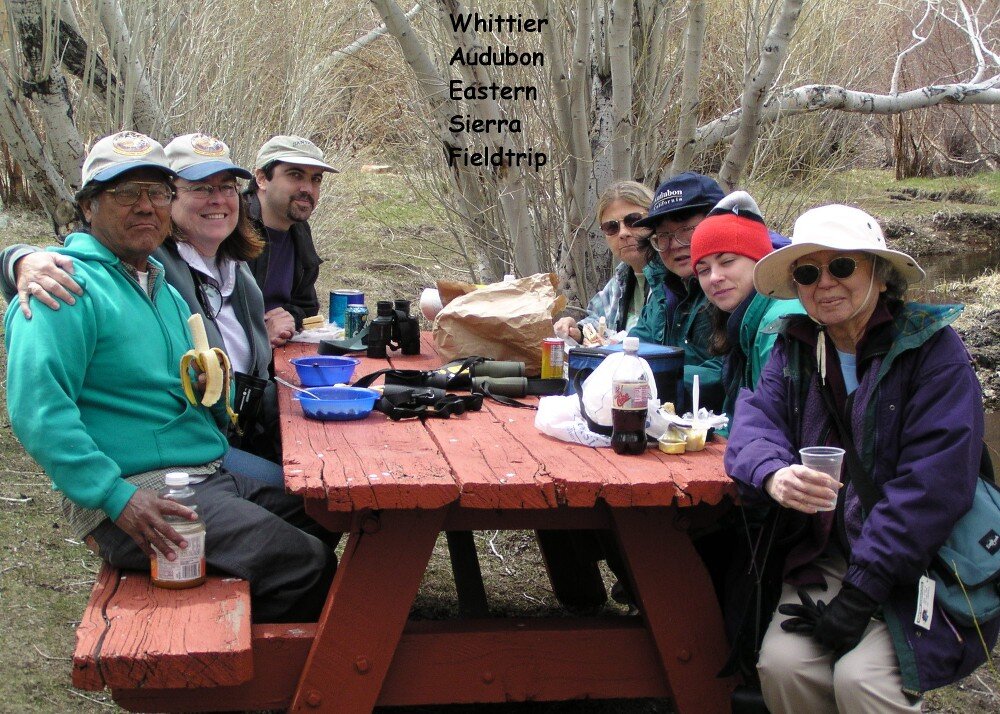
x: 828, y: 459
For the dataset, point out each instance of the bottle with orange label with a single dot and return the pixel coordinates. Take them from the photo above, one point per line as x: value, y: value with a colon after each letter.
x: 188, y: 569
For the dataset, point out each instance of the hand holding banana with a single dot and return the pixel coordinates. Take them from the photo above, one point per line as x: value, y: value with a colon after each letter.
x: 212, y: 362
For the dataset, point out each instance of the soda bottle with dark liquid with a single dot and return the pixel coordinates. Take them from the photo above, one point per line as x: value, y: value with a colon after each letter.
x: 630, y: 397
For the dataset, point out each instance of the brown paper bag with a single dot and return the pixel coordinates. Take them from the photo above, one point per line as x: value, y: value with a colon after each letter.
x: 506, y: 321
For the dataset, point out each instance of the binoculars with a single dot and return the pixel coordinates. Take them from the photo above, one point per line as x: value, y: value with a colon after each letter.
x: 393, y: 327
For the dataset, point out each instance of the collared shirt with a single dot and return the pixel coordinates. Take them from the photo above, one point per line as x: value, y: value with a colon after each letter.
x: 222, y: 274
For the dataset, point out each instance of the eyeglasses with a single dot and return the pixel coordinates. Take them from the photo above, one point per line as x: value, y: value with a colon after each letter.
x: 210, y: 298
x: 661, y: 240
x: 612, y: 228
x: 841, y: 268
x: 204, y: 191
x: 127, y: 194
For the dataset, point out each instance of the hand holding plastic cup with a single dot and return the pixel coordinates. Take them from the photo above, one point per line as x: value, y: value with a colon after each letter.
x: 827, y: 459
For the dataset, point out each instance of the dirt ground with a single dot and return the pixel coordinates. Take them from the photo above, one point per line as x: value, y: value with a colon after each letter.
x: 390, y: 245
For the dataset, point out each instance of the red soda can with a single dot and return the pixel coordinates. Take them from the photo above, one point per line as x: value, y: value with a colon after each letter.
x: 553, y: 358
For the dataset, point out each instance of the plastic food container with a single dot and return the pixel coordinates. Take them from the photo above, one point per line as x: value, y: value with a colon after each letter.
x: 337, y: 403
x: 324, y: 370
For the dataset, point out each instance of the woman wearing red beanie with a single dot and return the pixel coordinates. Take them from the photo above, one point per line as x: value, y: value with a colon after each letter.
x: 725, y: 248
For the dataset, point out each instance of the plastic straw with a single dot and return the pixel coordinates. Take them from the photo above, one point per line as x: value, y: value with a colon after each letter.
x: 694, y: 390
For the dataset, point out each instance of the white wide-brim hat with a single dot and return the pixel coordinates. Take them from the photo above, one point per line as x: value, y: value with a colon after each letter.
x: 833, y: 227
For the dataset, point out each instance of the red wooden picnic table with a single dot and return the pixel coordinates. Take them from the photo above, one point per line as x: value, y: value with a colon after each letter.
x: 393, y: 487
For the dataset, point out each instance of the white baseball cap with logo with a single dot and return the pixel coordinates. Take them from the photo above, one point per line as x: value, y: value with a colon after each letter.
x: 291, y: 150
x: 197, y: 156
x: 125, y: 151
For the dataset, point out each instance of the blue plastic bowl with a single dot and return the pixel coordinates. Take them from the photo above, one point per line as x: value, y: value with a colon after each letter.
x: 324, y: 370
x: 337, y: 403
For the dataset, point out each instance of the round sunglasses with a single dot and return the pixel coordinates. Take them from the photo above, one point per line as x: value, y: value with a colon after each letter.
x: 841, y: 268
x: 612, y: 228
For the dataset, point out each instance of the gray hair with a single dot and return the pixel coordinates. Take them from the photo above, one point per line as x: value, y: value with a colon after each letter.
x: 895, y: 284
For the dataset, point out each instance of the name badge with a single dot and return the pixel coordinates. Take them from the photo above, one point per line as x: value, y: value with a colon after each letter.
x: 925, y: 603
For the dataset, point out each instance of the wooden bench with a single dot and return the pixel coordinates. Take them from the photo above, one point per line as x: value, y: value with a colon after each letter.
x: 135, y: 636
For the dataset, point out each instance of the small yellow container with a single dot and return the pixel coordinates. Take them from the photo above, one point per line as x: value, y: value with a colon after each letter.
x: 553, y: 358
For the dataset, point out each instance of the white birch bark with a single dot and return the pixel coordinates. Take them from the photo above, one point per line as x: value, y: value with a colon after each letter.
x: 694, y: 40
x: 820, y: 97
x: 43, y: 176
x: 433, y: 90
x: 45, y: 85
x: 755, y: 92
x: 622, y: 65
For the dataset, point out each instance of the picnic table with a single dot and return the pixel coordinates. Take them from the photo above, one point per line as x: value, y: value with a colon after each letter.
x: 393, y: 487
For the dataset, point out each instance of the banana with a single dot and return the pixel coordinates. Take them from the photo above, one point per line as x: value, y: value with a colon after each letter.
x: 212, y: 361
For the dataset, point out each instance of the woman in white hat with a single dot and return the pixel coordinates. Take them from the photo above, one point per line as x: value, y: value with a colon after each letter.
x: 204, y: 260
x: 892, y: 383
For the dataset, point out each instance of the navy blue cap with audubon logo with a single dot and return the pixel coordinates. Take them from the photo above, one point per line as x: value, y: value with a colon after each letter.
x: 682, y: 193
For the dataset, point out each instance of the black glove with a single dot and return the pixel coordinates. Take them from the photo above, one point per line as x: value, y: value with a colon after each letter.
x: 842, y: 623
x: 804, y: 616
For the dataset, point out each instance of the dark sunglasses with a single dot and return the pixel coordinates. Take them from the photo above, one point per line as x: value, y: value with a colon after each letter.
x: 611, y: 228
x: 840, y: 268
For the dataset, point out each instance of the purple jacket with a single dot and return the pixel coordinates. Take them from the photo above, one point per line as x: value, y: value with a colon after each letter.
x: 917, y: 422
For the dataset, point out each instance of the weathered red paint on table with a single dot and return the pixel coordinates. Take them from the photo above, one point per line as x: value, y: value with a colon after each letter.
x: 394, y: 486
x: 409, y: 481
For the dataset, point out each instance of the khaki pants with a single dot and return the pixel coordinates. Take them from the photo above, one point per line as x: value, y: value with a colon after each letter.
x: 798, y: 675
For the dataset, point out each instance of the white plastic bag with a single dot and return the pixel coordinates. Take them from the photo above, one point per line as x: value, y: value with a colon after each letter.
x: 597, y: 388
x: 559, y: 417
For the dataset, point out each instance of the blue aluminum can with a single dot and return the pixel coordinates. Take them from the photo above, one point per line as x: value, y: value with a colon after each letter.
x: 354, y: 320
x: 339, y: 300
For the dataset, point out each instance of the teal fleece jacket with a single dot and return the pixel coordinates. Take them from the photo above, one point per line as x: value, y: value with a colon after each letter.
x: 676, y: 315
x: 94, y: 390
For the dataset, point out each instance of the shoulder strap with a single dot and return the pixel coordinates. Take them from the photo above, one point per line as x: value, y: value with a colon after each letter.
x: 868, y: 492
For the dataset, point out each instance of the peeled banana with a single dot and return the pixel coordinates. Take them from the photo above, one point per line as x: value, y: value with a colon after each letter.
x: 211, y: 361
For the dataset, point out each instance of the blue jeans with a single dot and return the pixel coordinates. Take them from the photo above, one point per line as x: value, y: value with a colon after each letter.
x: 245, y: 463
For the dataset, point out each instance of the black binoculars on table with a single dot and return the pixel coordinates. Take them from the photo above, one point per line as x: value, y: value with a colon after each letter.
x: 394, y: 328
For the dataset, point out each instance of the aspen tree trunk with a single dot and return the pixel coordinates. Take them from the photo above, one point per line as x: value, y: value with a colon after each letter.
x: 755, y: 92
x: 43, y: 83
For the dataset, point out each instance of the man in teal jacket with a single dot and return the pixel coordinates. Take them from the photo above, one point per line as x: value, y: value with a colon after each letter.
x: 95, y: 396
x: 676, y: 313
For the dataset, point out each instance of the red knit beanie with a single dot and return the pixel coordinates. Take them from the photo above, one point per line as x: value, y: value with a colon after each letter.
x: 742, y: 234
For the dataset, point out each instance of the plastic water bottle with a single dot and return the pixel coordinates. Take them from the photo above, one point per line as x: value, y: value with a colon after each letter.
x: 630, y: 398
x: 188, y: 570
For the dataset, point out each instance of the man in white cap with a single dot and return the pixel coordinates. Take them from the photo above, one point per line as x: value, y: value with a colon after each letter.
x: 95, y: 396
x: 288, y: 172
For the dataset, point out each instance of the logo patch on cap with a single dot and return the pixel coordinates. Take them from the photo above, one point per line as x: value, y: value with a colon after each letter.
x: 205, y: 145
x: 668, y: 197
x: 130, y: 143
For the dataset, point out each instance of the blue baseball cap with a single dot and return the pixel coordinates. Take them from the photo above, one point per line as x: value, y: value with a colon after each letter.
x: 197, y: 156
x: 682, y: 193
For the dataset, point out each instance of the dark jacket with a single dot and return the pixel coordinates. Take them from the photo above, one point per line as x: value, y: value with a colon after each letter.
x: 917, y: 423
x: 247, y: 302
x: 676, y: 314
x: 304, y: 302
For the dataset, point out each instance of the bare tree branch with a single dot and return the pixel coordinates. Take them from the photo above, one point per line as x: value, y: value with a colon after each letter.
x: 755, y: 91
x: 141, y: 110
x: 694, y: 40
x: 817, y: 97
